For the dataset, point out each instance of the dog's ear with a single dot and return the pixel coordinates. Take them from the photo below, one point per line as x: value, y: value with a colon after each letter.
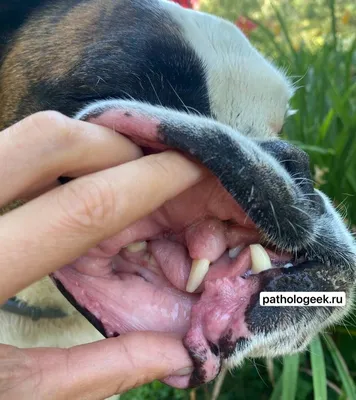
x: 13, y: 14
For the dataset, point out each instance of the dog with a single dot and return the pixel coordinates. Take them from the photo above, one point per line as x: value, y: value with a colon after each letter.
x: 173, y: 78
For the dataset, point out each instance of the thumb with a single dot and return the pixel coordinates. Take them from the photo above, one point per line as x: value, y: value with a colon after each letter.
x: 96, y: 370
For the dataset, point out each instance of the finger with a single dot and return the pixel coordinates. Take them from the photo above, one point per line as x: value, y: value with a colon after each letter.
x: 93, y: 371
x: 37, y: 150
x: 37, y: 191
x: 57, y: 227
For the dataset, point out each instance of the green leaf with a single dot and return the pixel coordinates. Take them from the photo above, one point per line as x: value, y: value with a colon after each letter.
x: 352, y: 182
x: 343, y: 371
x: 313, y: 149
x: 326, y: 125
x: 318, y: 368
x: 277, y: 391
x: 284, y: 28
x: 290, y: 377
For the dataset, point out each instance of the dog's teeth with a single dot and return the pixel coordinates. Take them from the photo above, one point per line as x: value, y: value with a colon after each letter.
x: 197, y: 274
x: 235, y: 251
x: 153, y: 261
x: 288, y: 265
x: 150, y: 259
x: 260, y: 259
x: 136, y: 247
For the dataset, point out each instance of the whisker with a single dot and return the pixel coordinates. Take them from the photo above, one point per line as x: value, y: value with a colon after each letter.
x: 179, y: 98
x: 159, y: 100
x: 300, y: 210
x: 275, y: 218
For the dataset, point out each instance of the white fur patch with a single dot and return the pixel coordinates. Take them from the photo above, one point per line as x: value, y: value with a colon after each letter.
x: 246, y: 91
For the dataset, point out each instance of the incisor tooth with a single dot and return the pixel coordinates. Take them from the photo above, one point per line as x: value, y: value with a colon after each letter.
x: 260, y: 259
x: 136, y: 247
x: 197, y: 274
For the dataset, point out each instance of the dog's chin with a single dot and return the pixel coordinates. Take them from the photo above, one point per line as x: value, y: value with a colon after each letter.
x: 193, y: 268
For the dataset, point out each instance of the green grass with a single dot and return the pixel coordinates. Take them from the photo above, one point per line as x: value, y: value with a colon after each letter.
x: 325, y: 127
x: 318, y: 365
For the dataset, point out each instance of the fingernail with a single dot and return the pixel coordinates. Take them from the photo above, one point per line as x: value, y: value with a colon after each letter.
x: 184, y: 371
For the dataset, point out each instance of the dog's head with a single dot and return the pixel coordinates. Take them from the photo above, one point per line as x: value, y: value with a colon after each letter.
x: 169, y: 77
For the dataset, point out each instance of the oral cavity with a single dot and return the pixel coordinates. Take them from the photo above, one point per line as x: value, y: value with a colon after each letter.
x: 260, y: 261
x: 196, y: 282
x: 242, y: 260
x: 152, y: 284
x: 206, y: 250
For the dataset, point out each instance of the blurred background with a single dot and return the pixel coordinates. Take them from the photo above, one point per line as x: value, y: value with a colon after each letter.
x: 315, y: 42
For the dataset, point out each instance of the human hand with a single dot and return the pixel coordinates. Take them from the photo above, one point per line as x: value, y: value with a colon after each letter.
x: 59, y: 224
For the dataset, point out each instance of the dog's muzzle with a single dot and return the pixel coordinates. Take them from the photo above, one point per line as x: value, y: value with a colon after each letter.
x: 197, y: 265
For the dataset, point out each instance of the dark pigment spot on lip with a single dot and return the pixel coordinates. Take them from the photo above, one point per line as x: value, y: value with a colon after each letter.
x: 227, y: 345
x: 214, y: 348
x: 199, y: 374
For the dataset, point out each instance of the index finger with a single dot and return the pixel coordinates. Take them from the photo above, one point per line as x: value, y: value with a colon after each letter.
x: 38, y: 149
x: 59, y: 226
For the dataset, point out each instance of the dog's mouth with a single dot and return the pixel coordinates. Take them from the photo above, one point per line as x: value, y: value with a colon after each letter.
x: 193, y: 267
x: 183, y: 269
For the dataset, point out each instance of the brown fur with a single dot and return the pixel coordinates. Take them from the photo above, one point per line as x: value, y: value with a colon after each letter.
x: 34, y: 55
x: 38, y: 53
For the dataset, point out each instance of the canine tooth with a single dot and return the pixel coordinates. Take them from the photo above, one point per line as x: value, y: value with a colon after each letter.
x: 197, y: 274
x: 235, y: 251
x: 136, y: 247
x: 288, y: 265
x: 260, y: 259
